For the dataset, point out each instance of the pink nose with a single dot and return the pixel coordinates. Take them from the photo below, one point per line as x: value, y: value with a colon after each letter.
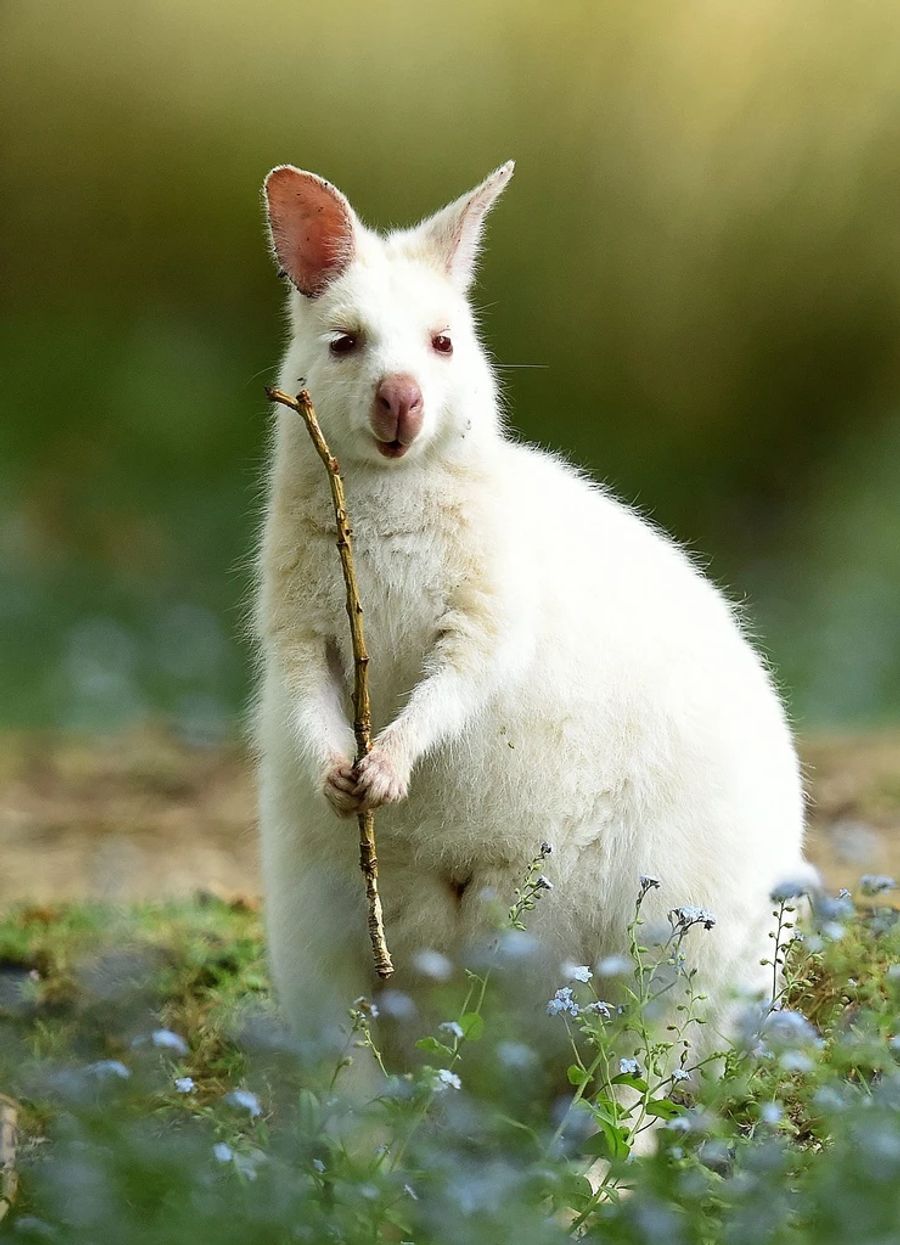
x: 397, y: 411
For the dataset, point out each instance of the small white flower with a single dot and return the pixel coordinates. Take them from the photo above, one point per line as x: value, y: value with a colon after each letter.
x: 107, y: 1068
x: 222, y: 1152
x: 613, y: 966
x: 629, y: 1067
x: 165, y: 1039
x: 448, y: 1078
x: 577, y: 972
x: 184, y: 1084
x: 244, y: 1099
x: 432, y: 964
x: 397, y: 1005
x: 451, y: 1026
x: 771, y: 1112
x: 366, y: 1006
x: 796, y: 1061
x: 516, y: 1055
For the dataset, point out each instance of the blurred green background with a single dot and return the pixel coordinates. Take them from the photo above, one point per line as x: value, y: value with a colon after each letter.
x: 693, y: 285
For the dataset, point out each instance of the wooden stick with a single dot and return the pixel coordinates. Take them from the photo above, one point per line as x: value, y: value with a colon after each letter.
x: 9, y: 1178
x: 362, y: 712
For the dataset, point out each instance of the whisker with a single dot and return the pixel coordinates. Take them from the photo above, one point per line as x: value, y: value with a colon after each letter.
x: 262, y: 372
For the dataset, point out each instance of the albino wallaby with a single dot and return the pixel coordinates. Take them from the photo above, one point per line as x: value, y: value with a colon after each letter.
x: 545, y: 664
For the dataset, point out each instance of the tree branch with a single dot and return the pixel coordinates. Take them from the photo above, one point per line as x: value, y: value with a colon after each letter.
x: 362, y: 713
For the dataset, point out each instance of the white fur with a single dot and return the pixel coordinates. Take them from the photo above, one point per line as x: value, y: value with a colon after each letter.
x: 545, y: 665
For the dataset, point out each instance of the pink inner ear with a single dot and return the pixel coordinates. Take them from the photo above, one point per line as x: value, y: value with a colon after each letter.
x: 312, y: 229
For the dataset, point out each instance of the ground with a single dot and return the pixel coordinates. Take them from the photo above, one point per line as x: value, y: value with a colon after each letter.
x: 142, y: 816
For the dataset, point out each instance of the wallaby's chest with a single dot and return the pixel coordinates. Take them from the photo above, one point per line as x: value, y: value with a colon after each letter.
x: 407, y: 565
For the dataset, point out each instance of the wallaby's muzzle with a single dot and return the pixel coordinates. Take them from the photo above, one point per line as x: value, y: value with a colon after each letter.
x: 397, y: 414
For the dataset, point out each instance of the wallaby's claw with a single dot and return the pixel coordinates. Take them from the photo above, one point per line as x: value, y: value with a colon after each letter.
x: 378, y: 780
x: 339, y: 789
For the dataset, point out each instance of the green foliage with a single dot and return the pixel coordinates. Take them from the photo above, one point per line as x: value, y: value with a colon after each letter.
x: 163, y: 1101
x: 690, y: 289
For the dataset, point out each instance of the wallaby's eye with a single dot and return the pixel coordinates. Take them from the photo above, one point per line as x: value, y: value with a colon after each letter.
x: 442, y: 343
x: 344, y: 343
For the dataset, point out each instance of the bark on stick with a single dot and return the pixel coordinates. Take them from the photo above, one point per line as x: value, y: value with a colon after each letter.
x: 362, y: 714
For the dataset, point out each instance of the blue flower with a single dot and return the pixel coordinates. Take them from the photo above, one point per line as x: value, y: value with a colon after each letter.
x: 448, y: 1078
x: 244, y: 1099
x: 648, y: 883
x: 563, y: 1003
x: 542, y: 883
x: 184, y: 1084
x: 600, y: 1008
x: 165, y: 1039
x: 451, y: 1026
x: 875, y: 883
x: 787, y: 1028
x: 222, y: 1152
x: 838, y: 908
x: 790, y: 888
x: 688, y: 915
x: 680, y: 1075
x: 629, y: 1067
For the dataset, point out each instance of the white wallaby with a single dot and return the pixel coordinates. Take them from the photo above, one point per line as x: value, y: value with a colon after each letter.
x: 545, y: 664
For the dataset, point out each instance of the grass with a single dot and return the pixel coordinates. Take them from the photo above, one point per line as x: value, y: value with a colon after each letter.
x: 125, y: 1033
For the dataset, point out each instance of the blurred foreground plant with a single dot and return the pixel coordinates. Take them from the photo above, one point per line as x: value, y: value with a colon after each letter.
x: 163, y: 1101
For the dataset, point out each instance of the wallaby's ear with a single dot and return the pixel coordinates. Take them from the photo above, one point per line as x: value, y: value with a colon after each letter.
x: 453, y: 233
x: 312, y: 227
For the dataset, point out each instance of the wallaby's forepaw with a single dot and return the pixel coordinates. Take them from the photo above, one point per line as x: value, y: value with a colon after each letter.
x: 339, y: 789
x: 378, y: 781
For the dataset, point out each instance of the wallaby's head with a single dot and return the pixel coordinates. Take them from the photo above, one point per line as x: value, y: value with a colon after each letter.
x: 383, y: 331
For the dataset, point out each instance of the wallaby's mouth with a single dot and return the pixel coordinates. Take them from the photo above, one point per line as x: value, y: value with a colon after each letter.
x: 391, y: 449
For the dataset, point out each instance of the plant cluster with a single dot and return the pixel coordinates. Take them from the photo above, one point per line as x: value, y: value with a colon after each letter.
x: 162, y: 1101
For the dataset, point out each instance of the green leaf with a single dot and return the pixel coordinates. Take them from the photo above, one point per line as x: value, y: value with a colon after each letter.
x: 472, y: 1026
x: 609, y: 1143
x: 664, y: 1108
x: 308, y: 1111
x: 433, y: 1046
x: 576, y: 1075
x: 603, y: 1109
x: 635, y: 1082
